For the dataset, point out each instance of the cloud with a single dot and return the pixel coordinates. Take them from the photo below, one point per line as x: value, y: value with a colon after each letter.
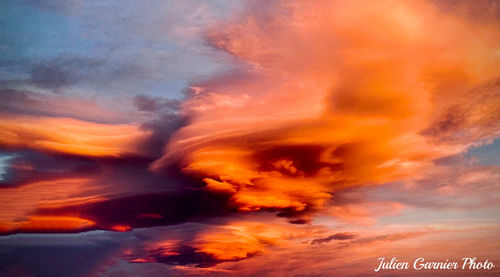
x: 358, y: 257
x: 84, y: 254
x: 58, y: 135
x: 18, y: 203
x: 354, y: 111
x: 338, y: 236
x: 474, y: 117
x: 63, y: 160
x: 70, y: 7
x: 137, y: 210
x: 342, y: 110
x: 153, y: 104
x: 46, y: 77
x: 25, y: 102
x: 208, y: 245
x: 463, y: 188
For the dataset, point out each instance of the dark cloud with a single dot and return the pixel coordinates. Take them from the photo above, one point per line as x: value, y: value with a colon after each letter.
x: 48, y: 77
x: 145, y: 103
x: 338, y: 236
x: 163, y: 119
x: 29, y: 166
x: 55, y: 255
x: 162, y: 127
x: 64, y: 7
x: 27, y: 102
x: 146, y: 210
x: 152, y: 104
x: 96, y: 73
x: 184, y: 255
x: 18, y: 101
x: 65, y: 71
x: 305, y: 158
x: 55, y: 73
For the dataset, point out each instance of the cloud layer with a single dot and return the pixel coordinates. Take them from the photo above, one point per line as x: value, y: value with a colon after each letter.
x: 259, y: 138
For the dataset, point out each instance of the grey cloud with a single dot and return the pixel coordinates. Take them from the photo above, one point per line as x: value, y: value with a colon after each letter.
x: 48, y: 77
x: 64, y: 7
x: 151, y: 104
x: 55, y: 255
x: 338, y: 236
x: 25, y: 102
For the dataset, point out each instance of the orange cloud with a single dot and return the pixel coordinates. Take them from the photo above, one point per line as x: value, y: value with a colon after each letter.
x: 70, y: 136
x: 364, y: 213
x: 229, y: 246
x: 341, y: 94
x: 239, y: 240
x: 19, y: 204
x: 47, y: 224
x: 335, y: 97
x: 215, y: 244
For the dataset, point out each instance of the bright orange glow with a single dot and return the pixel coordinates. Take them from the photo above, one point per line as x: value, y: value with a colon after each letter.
x: 48, y: 224
x: 70, y: 136
x: 227, y: 247
x: 121, y: 228
x: 18, y: 202
x: 140, y: 261
x: 239, y: 240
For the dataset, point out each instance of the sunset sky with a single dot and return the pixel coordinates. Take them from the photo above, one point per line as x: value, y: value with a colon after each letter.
x: 248, y: 138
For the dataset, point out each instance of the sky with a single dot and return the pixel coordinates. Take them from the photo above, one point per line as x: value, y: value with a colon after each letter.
x: 248, y: 138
